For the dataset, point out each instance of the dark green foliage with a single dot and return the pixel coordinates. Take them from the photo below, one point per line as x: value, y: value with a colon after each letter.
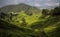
x: 37, y: 25
x: 55, y: 33
x: 45, y: 11
x: 10, y: 30
x: 23, y: 22
x: 56, y: 11
x: 3, y: 15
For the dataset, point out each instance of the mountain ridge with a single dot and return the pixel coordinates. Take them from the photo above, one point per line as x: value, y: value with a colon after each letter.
x: 17, y: 8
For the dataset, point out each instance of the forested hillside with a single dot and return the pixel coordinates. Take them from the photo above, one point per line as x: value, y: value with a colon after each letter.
x: 27, y: 21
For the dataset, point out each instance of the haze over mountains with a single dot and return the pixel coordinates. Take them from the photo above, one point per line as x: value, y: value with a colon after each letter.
x: 18, y: 8
x: 37, y: 3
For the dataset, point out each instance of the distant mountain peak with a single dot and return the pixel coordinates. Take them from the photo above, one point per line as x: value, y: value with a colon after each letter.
x: 18, y: 8
x: 22, y: 4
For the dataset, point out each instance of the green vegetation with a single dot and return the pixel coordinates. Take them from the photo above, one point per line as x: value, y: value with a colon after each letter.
x: 26, y: 21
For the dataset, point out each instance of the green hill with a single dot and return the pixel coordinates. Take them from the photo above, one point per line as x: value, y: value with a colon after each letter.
x: 22, y: 19
x: 16, y: 13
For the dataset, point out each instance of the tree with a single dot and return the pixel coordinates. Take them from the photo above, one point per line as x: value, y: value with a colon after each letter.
x: 45, y: 11
x: 23, y: 22
x: 56, y: 11
x: 3, y: 15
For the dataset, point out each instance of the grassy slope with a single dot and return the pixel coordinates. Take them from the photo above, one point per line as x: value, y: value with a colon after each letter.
x: 49, y: 21
x: 50, y: 25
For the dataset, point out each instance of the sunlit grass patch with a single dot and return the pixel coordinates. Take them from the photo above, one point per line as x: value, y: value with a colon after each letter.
x: 37, y: 30
x: 33, y: 18
x: 47, y: 16
x: 49, y: 29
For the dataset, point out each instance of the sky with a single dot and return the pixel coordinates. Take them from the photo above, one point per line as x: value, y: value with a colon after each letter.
x: 37, y: 3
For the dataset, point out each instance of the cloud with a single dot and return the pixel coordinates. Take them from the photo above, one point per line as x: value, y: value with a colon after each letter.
x: 57, y: 3
x: 48, y: 0
x: 52, y: 4
x: 36, y: 4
